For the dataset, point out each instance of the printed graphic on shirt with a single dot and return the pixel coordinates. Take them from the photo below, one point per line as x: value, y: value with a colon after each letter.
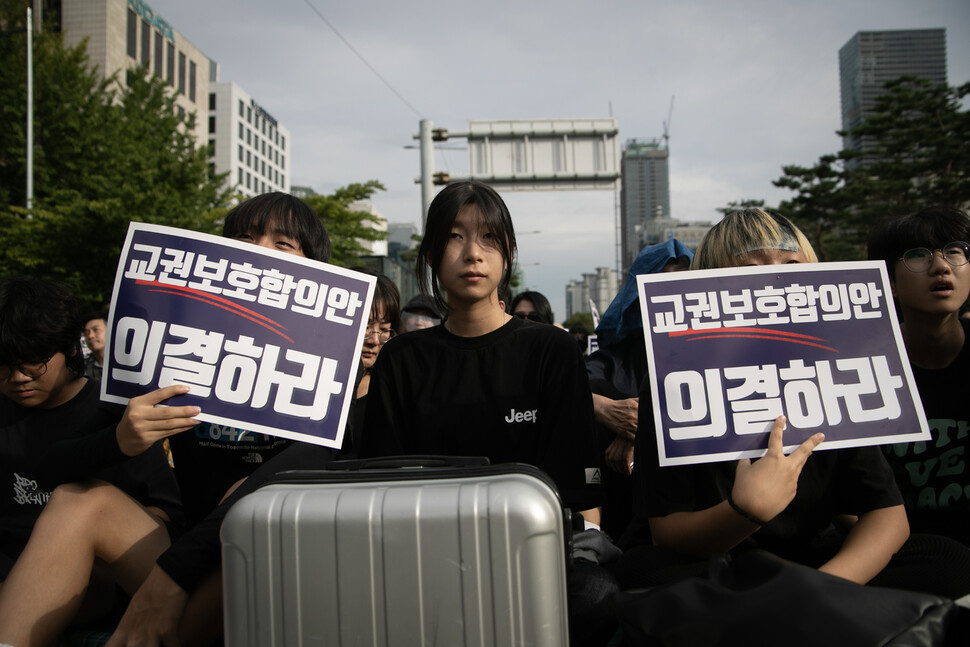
x: 27, y: 492
x: 529, y: 415
x: 936, y: 470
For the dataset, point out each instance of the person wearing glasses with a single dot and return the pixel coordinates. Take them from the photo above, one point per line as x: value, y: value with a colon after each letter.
x: 383, y: 323
x: 533, y: 306
x: 50, y: 419
x: 926, y: 254
x: 85, y: 525
x: 838, y: 511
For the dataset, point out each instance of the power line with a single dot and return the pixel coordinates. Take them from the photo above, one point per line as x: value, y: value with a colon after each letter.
x: 364, y: 60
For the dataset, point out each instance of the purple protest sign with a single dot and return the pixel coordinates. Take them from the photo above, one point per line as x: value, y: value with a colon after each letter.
x: 730, y: 350
x: 267, y: 342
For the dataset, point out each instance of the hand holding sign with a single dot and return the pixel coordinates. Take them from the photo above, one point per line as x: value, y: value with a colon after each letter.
x: 144, y: 423
x: 764, y: 488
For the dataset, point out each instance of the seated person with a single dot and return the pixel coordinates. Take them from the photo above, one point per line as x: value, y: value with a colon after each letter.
x: 485, y: 383
x: 533, y: 306
x: 420, y: 312
x: 49, y: 419
x: 383, y: 323
x: 616, y: 370
x: 926, y: 255
x: 784, y: 504
x: 95, y: 327
x: 208, y: 462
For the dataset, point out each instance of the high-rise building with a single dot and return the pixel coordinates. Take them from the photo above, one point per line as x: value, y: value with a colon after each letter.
x: 644, y: 196
x: 599, y: 287
x: 244, y: 139
x: 871, y: 58
x: 124, y: 33
x: 247, y: 141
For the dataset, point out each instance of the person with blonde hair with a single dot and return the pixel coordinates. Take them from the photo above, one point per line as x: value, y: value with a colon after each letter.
x: 838, y: 510
x: 752, y: 236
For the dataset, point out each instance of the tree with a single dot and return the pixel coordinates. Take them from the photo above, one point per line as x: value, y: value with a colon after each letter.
x: 345, y: 225
x: 736, y: 205
x: 104, y: 155
x: 584, y: 319
x: 915, y: 155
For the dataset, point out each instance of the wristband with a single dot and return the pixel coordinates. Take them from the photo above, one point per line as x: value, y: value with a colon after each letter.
x: 753, y: 519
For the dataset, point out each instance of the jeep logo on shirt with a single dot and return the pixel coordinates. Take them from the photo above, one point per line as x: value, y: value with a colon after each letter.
x: 521, y: 416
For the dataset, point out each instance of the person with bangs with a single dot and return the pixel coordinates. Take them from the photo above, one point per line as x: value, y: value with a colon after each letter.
x: 926, y: 255
x: 837, y: 510
x: 74, y: 533
x: 54, y: 430
x: 383, y: 323
x: 533, y: 306
x: 485, y: 383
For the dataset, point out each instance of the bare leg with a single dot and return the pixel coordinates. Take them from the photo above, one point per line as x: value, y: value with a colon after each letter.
x: 81, y: 522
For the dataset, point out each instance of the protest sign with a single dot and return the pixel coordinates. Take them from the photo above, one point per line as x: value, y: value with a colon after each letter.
x: 267, y: 342
x: 729, y: 350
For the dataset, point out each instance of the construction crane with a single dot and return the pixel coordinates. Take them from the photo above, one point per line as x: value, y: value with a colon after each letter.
x: 670, y: 113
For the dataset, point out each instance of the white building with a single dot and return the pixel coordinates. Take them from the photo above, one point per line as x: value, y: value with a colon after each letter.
x: 247, y: 141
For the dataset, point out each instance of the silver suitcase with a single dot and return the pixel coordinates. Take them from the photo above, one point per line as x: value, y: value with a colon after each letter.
x: 445, y: 556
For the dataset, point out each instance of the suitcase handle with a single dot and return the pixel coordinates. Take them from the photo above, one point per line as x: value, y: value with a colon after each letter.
x: 407, y: 461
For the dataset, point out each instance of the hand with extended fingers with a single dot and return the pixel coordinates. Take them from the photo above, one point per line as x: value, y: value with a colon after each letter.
x: 145, y: 422
x: 765, y: 487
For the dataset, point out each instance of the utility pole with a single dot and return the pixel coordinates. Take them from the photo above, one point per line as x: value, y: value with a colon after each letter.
x: 427, y: 169
x: 30, y: 110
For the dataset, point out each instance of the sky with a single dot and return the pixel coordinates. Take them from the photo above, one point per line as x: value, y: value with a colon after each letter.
x: 754, y: 86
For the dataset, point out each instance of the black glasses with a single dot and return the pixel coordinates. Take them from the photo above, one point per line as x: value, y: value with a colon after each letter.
x: 382, y: 334
x: 919, y: 259
x: 531, y: 316
x: 33, y: 370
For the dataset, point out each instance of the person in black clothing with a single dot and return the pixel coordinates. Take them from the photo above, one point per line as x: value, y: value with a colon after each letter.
x: 206, y: 466
x: 791, y: 505
x: 49, y: 423
x: 926, y: 254
x: 533, y: 306
x: 383, y: 323
x: 485, y: 383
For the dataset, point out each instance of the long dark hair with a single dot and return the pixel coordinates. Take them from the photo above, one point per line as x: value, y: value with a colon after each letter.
x: 441, y: 216
x: 538, y: 301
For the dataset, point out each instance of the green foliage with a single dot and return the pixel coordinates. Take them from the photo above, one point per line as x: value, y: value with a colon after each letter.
x: 347, y: 226
x: 917, y: 157
x: 584, y: 319
x: 104, y: 155
x: 736, y: 205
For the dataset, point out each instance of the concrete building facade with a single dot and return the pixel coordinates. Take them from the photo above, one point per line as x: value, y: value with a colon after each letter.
x: 599, y: 287
x: 247, y: 141
x: 871, y: 58
x: 644, y: 196
x: 125, y: 33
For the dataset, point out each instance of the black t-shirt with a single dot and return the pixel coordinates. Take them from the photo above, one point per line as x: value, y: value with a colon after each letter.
x: 42, y: 448
x: 210, y: 458
x: 517, y: 394
x: 933, y: 476
x: 833, y: 482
